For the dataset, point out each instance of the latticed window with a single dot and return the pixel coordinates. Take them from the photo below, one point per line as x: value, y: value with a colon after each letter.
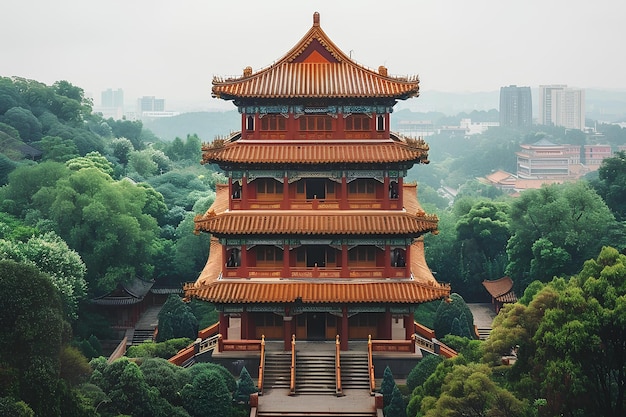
x: 273, y: 122
x: 358, y: 122
x: 316, y: 123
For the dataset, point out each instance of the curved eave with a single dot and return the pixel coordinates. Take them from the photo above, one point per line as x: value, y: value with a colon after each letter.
x: 233, y: 292
x: 342, y: 80
x: 305, y: 223
x: 328, y: 152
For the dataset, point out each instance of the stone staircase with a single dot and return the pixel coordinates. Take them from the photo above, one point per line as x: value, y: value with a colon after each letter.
x: 315, y: 374
x: 147, y: 323
x: 483, y: 333
x: 277, y: 371
x: 354, y: 371
x: 315, y: 393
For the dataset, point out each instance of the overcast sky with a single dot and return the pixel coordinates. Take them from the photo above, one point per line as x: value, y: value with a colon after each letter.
x: 172, y: 49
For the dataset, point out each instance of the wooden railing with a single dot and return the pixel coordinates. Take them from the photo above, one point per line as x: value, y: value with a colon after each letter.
x: 402, y: 346
x: 238, y: 345
x: 261, y: 365
x: 119, y: 351
x: 212, y: 330
x: 425, y: 339
x: 370, y: 365
x: 292, y: 380
x: 338, y: 389
x: 207, y: 344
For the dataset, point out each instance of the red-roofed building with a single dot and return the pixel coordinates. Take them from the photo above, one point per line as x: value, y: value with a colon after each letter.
x: 501, y: 291
x: 316, y: 235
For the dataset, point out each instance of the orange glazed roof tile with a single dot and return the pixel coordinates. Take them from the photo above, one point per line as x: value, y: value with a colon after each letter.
x: 315, y: 67
x: 268, y: 152
x: 317, y: 292
x: 501, y: 289
x: 323, y: 222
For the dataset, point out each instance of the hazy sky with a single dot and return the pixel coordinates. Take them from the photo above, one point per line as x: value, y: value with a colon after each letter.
x: 172, y: 49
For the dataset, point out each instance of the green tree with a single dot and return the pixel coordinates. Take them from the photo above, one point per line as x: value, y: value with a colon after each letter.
x: 396, y: 407
x: 245, y: 386
x: 468, y: 391
x: 611, y: 184
x: 31, y: 332
x: 58, y: 149
x: 387, y: 385
x: 455, y: 308
x: 51, y: 255
x: 91, y: 160
x: 122, y: 148
x: 420, y: 372
x: 166, y: 377
x: 207, y: 395
x: 176, y: 320
x: 570, y: 218
x: 25, y: 122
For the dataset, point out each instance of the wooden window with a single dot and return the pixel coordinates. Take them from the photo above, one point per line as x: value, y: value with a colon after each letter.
x: 358, y: 122
x: 267, y: 186
x: 273, y: 122
x: 268, y: 255
x: 361, y: 186
x: 316, y: 123
x: 362, y: 256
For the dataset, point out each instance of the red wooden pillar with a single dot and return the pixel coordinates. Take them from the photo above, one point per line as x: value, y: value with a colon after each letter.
x: 286, y: 272
x: 287, y: 330
x: 345, y: 272
x: 343, y: 331
x: 386, y: 327
x: 245, y: 317
x: 401, y: 191
x: 387, y: 257
x: 409, y: 325
x: 230, y: 193
x: 285, y: 205
x: 223, y: 326
x: 386, y: 193
x: 244, y: 262
x: 343, y: 199
x: 340, y: 127
x: 244, y: 192
x: 407, y: 260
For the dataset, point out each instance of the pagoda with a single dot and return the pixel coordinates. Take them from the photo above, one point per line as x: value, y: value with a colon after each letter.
x: 315, y: 235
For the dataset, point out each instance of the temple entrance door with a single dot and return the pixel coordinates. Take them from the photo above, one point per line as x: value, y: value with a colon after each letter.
x: 316, y: 326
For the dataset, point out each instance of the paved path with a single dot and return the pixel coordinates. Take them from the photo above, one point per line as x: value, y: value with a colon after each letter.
x: 278, y: 400
x: 483, y: 316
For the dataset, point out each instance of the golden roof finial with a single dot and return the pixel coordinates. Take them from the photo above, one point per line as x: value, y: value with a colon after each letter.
x: 316, y: 19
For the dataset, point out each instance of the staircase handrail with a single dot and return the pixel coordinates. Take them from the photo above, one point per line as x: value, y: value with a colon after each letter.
x: 261, y: 364
x: 292, y: 381
x: 208, y: 344
x: 370, y: 365
x: 338, y: 390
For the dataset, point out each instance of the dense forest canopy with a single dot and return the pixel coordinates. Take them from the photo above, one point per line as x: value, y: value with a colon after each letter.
x: 87, y: 203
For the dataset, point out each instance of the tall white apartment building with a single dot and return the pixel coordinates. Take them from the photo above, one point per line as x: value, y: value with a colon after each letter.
x: 562, y: 106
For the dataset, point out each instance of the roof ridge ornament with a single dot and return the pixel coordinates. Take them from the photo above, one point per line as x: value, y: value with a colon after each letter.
x: 316, y: 19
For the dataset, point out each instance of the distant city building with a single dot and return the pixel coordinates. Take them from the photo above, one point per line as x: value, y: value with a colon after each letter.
x: 149, y: 107
x: 112, y: 98
x: 544, y: 159
x: 562, y: 106
x: 476, y: 128
x: 516, y: 108
x: 112, y: 103
x: 595, y: 154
